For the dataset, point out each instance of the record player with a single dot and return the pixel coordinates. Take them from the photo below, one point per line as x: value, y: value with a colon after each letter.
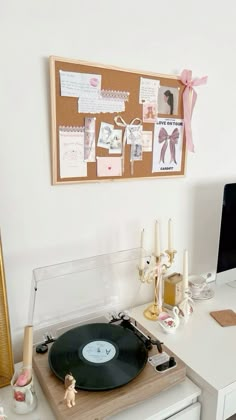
x: 81, y: 327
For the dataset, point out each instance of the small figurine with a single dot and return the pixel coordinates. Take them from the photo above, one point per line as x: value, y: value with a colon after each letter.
x: 2, y: 415
x: 169, y: 322
x: 70, y: 390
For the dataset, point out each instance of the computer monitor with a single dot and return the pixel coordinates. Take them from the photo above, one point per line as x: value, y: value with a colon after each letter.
x: 226, y: 263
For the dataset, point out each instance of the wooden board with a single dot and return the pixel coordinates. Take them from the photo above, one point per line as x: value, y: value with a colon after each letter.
x: 99, y: 405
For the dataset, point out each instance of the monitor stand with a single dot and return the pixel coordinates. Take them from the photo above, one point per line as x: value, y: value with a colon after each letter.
x: 232, y: 284
x: 226, y: 277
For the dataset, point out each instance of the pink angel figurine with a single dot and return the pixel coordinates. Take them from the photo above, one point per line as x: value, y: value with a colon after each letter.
x: 70, y: 390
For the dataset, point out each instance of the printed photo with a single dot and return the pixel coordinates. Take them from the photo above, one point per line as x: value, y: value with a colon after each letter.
x: 147, y: 141
x: 89, y: 139
x: 105, y: 135
x: 149, y: 112
x: 136, y: 152
x: 135, y: 139
x: 133, y: 133
x: 168, y: 100
x: 116, y: 142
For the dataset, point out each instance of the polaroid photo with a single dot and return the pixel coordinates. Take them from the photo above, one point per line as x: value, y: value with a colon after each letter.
x: 105, y: 135
x: 133, y: 133
x: 116, y: 142
x: 168, y: 100
x: 136, y: 144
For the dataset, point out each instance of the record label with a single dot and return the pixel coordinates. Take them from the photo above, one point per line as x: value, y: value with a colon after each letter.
x: 99, y: 351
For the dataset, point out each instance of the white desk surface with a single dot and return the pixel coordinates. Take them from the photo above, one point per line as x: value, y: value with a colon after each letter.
x: 43, y: 410
x: 206, y: 348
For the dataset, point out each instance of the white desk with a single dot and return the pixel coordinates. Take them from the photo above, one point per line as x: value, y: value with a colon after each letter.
x: 42, y: 412
x: 208, y: 350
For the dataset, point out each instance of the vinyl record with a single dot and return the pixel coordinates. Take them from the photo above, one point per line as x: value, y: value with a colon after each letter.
x: 99, y: 356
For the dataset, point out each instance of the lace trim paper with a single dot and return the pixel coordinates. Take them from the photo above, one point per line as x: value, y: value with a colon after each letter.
x: 115, y: 95
x: 70, y: 128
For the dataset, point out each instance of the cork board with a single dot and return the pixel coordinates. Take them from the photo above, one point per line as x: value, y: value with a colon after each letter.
x: 145, y: 129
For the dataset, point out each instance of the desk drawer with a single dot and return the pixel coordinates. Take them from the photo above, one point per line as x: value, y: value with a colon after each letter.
x: 230, y: 404
x: 189, y: 413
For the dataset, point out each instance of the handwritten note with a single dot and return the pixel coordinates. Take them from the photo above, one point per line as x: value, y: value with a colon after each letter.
x: 97, y: 105
x: 79, y: 84
x: 148, y: 91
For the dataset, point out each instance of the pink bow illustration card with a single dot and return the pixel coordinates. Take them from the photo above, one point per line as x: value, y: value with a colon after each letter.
x: 168, y: 144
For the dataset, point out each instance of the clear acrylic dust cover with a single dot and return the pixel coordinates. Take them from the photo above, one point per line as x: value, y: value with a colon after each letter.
x: 86, y: 290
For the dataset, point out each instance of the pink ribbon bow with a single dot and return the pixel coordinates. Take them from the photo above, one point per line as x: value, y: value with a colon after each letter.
x: 163, y: 137
x: 189, y: 103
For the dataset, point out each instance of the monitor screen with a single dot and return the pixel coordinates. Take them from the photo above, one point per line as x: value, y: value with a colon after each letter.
x: 226, y: 263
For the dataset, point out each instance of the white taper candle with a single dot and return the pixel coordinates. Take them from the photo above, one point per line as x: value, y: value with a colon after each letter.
x: 170, y: 236
x: 141, y: 261
x: 157, y: 250
x: 185, y: 270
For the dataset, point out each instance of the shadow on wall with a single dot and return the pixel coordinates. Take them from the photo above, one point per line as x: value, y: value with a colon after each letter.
x: 207, y: 207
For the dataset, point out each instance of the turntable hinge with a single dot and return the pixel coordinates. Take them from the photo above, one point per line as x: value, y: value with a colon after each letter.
x: 43, y: 347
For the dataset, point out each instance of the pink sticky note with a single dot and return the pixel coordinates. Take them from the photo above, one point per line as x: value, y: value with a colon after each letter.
x: 109, y: 166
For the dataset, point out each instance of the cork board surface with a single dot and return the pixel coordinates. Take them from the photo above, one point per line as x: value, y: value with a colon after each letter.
x: 64, y: 113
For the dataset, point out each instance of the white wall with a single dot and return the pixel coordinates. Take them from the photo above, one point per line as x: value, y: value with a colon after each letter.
x: 43, y: 224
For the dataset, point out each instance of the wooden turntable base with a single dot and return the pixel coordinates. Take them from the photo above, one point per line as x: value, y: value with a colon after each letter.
x: 99, y: 405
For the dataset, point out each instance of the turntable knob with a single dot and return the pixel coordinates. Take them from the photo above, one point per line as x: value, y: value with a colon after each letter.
x: 124, y: 316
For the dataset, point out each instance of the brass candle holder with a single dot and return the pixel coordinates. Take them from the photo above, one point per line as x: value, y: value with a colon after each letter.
x: 153, y: 273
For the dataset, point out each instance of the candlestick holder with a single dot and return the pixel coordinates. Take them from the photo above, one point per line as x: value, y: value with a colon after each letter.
x: 171, y: 255
x: 153, y: 273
